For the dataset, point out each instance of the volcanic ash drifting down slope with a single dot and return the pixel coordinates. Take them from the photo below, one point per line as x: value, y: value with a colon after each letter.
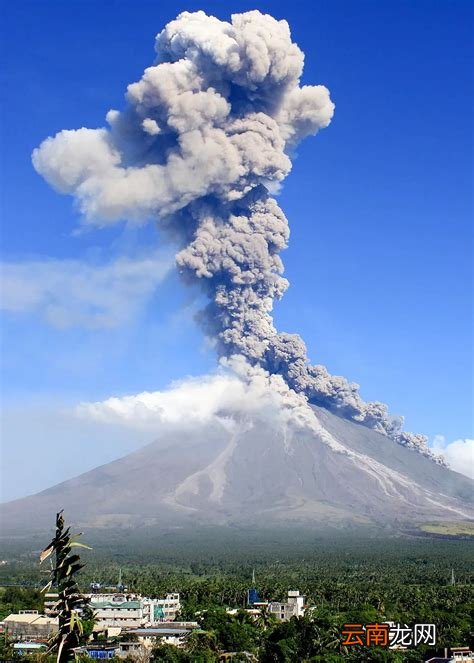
x: 242, y: 447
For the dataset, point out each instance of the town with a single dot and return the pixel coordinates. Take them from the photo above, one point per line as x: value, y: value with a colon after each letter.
x: 130, y: 627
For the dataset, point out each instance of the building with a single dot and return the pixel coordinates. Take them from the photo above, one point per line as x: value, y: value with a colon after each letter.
x: 462, y: 654
x: 294, y: 606
x: 30, y: 625
x: 254, y: 612
x: 125, y: 649
x: 127, y: 611
x: 98, y: 651
x: 28, y: 648
x: 167, y: 609
x: 171, y: 633
x: 458, y: 655
x: 124, y: 610
x: 117, y: 610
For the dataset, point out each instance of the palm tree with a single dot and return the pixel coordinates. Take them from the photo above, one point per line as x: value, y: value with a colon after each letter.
x: 265, y: 618
x: 70, y: 601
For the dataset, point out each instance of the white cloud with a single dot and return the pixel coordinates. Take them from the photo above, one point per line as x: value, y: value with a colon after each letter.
x: 234, y: 392
x: 69, y: 293
x: 459, y: 454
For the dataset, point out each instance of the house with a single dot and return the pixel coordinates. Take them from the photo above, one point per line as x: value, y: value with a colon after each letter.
x: 294, y: 606
x: 171, y: 633
x: 30, y: 625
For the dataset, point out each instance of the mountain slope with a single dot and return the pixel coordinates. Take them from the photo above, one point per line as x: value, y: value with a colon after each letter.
x: 253, y: 472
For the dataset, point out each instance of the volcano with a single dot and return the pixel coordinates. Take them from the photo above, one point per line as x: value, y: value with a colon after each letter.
x: 339, y: 473
x: 201, y: 147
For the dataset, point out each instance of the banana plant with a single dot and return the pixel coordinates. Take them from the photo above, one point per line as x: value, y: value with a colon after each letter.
x: 65, y: 564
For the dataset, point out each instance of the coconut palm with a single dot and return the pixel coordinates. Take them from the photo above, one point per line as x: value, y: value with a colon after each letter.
x: 71, y: 602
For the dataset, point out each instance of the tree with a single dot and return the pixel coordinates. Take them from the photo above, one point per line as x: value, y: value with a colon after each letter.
x: 6, y: 650
x: 88, y: 621
x: 233, y: 633
x: 70, y: 601
x: 265, y: 619
x: 202, y: 646
x: 165, y: 653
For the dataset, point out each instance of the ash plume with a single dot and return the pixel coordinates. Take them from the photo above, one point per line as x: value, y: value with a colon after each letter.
x: 205, y: 139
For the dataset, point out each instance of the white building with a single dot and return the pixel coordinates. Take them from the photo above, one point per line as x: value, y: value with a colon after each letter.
x: 166, y: 633
x: 458, y: 655
x: 294, y: 606
x: 166, y: 610
x: 462, y: 654
x: 128, y: 611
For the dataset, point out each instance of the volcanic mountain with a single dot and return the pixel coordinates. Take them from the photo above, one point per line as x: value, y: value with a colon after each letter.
x: 203, y: 143
x: 340, y: 472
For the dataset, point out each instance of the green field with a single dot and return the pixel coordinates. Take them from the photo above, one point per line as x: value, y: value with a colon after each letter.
x: 463, y: 529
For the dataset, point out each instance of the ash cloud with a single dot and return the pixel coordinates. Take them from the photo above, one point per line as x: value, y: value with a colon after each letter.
x: 206, y: 136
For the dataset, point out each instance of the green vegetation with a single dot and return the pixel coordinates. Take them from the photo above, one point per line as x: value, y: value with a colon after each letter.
x: 346, y: 580
x: 13, y: 599
x: 464, y: 529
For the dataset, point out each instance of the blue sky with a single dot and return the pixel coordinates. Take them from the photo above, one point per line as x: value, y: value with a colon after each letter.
x: 379, y: 205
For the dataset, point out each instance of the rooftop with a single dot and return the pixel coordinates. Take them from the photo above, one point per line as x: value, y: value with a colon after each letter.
x: 29, y: 619
x: 29, y: 645
x: 114, y: 605
x: 15, y: 617
x: 26, y: 618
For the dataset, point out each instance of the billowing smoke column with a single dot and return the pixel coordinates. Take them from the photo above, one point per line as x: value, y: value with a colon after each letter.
x: 204, y: 139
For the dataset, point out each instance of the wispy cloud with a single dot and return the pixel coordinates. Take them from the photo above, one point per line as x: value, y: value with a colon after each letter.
x: 459, y: 454
x: 69, y: 293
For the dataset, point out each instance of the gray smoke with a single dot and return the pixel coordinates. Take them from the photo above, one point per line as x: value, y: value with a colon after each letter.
x: 204, y: 140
